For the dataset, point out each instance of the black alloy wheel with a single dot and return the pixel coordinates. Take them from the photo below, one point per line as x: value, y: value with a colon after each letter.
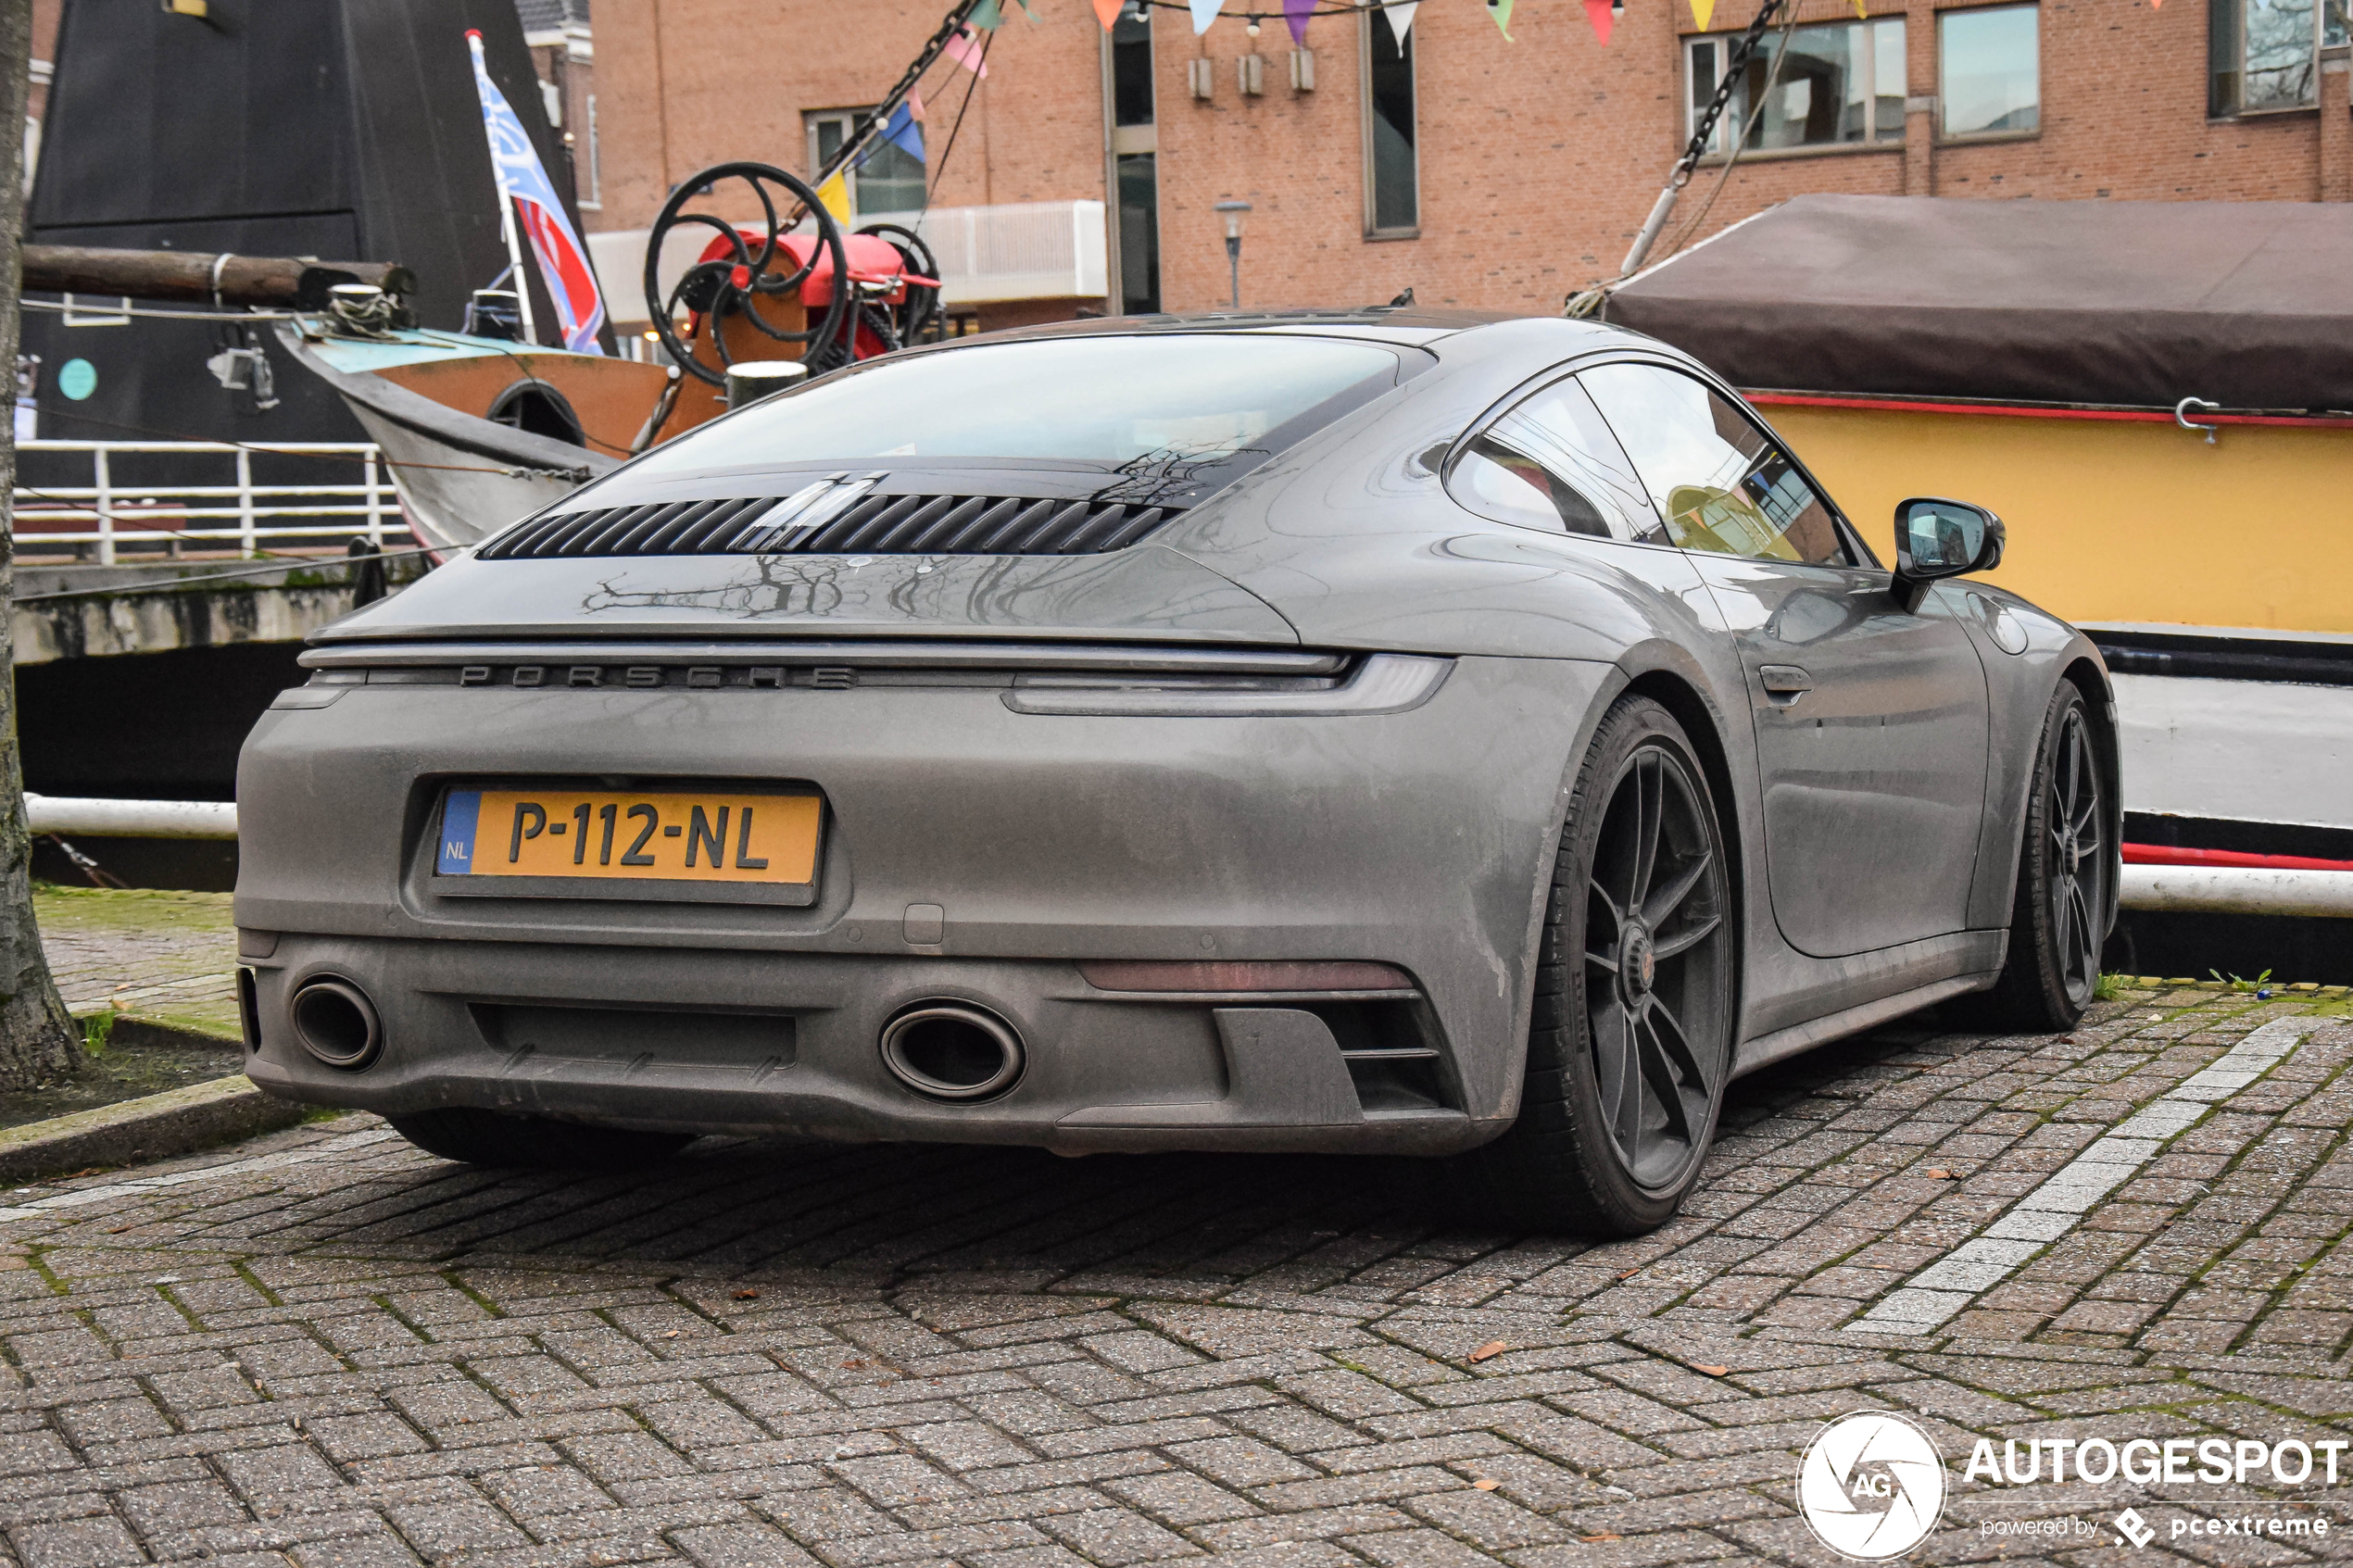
x: 1629, y: 1037
x: 2069, y: 861
x: 1655, y: 948
x: 2075, y: 867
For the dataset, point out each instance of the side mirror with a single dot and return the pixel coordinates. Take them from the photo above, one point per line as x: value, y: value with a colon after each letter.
x: 1939, y: 538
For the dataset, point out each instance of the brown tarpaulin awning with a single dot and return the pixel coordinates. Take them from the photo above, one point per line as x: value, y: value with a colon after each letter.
x: 2245, y: 303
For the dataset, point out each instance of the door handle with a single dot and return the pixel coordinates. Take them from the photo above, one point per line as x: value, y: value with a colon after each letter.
x: 1785, y: 683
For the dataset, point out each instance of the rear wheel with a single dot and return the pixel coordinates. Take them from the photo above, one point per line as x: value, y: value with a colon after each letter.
x: 2066, y: 895
x: 487, y: 1137
x: 1630, y: 1040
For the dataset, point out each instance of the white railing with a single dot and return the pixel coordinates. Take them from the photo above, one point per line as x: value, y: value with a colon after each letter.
x: 1014, y: 250
x: 112, y: 514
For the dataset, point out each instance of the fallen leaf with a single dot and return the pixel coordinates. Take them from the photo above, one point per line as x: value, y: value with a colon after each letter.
x: 747, y: 1295
x: 1711, y: 1371
x: 1483, y: 1484
x: 93, y: 1171
x: 1588, y: 1540
x: 117, y: 1230
x: 853, y: 1366
x: 672, y: 1335
x: 1938, y: 1173
x: 1492, y: 1348
x: 1629, y: 1274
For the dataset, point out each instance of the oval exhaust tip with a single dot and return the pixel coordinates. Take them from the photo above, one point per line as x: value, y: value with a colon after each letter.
x: 952, y: 1051
x: 337, y: 1023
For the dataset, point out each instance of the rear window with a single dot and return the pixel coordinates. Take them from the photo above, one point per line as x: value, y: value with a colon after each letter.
x: 1114, y: 400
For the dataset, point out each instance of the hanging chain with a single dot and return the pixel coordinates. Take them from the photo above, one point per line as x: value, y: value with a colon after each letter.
x: 1733, y: 67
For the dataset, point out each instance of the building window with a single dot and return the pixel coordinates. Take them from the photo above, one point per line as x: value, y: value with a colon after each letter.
x: 596, y: 172
x: 1840, y: 85
x: 888, y: 178
x: 2266, y: 53
x: 1392, y: 171
x: 1135, y: 161
x: 1990, y: 65
x: 1131, y: 70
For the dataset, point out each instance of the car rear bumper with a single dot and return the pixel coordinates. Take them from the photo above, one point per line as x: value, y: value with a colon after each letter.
x: 1416, y: 839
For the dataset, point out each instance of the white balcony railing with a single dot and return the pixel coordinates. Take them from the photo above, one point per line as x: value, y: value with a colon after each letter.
x: 352, y: 499
x: 1018, y: 250
x: 1021, y: 250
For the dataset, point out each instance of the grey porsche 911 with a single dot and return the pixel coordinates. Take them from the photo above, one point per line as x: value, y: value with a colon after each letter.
x: 1383, y: 732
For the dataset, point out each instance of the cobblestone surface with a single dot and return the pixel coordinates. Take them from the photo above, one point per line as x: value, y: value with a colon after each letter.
x: 326, y: 1348
x: 171, y: 956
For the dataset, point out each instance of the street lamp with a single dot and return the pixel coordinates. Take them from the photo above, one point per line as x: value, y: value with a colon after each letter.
x: 1233, y: 211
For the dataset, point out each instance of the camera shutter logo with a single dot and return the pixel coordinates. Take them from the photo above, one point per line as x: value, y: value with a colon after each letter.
x: 1871, y: 1486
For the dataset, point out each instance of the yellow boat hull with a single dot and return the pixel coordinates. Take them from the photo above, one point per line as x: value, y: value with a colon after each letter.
x: 2112, y: 520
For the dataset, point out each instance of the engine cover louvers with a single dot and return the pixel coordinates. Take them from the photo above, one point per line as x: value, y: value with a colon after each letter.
x: 822, y: 524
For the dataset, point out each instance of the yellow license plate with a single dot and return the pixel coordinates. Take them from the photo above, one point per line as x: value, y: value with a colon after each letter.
x: 655, y: 836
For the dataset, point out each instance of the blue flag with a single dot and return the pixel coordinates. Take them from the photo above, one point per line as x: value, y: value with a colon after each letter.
x: 902, y: 131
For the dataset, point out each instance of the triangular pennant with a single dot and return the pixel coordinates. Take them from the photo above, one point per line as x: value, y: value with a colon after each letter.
x: 1502, y: 11
x: 1108, y: 11
x: 1598, y: 13
x: 1204, y: 12
x: 1703, y: 12
x: 916, y: 105
x: 967, y: 49
x: 989, y: 15
x: 1401, y: 20
x: 1296, y: 12
x: 901, y: 131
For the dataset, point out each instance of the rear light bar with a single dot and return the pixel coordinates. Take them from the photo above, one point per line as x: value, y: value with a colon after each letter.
x: 1324, y: 976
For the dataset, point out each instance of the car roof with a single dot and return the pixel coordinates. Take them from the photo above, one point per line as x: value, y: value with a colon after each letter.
x: 1407, y: 323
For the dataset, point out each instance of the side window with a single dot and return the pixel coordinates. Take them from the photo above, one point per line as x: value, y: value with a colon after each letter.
x: 1720, y: 483
x: 1551, y: 463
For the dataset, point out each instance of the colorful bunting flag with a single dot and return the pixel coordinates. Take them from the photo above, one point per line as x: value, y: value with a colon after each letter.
x: 1296, y: 13
x: 1401, y: 20
x: 901, y: 131
x: 833, y: 196
x: 1107, y: 11
x: 1703, y: 12
x: 965, y: 49
x: 989, y: 15
x: 522, y: 179
x: 1204, y: 12
x: 1502, y: 11
x: 1598, y: 13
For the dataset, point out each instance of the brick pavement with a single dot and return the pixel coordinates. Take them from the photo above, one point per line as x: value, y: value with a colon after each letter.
x: 325, y: 1348
x: 168, y: 956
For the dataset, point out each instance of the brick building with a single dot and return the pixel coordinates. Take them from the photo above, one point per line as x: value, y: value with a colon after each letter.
x: 1475, y: 169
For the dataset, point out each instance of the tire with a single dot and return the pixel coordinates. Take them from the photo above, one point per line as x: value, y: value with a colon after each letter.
x: 487, y: 1137
x: 1629, y: 1038
x: 2067, y: 880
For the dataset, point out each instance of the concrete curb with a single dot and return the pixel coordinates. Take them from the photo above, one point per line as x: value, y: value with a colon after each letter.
x: 132, y: 1131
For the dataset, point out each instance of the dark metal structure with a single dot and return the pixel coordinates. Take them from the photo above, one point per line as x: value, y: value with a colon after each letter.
x: 269, y: 128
